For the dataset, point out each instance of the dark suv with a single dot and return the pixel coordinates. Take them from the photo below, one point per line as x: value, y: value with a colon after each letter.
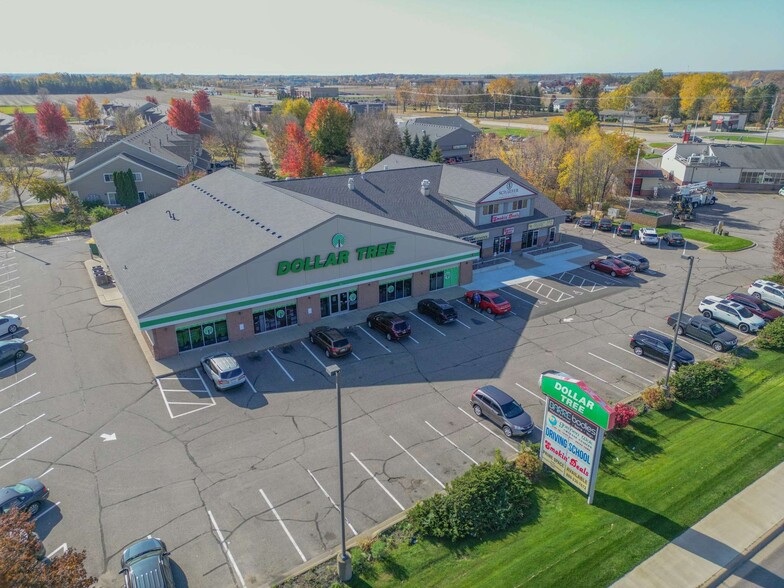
x: 145, y: 564
x: 441, y: 311
x: 394, y: 326
x: 626, y: 229
x: 606, y: 224
x: 331, y: 340
x: 502, y: 409
x: 656, y: 346
x: 756, y: 306
x: 585, y: 221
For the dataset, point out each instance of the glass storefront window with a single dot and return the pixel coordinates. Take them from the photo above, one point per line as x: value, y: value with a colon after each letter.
x: 277, y: 317
x: 436, y: 280
x: 338, y: 302
x: 445, y: 278
x: 394, y: 290
x: 202, y: 335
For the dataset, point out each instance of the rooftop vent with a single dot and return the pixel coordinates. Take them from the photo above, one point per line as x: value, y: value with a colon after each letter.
x: 386, y: 167
x: 363, y: 175
x: 425, y: 188
x: 351, y: 184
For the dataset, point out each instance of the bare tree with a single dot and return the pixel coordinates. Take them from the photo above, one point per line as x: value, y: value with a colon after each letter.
x: 276, y: 134
x: 127, y: 121
x: 92, y: 134
x: 62, y: 151
x: 232, y: 130
x: 374, y: 136
x: 17, y: 171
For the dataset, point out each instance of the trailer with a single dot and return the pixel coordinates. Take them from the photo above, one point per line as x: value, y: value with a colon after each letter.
x: 695, y: 194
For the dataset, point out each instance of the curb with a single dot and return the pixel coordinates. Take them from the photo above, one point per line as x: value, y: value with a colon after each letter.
x: 719, y: 577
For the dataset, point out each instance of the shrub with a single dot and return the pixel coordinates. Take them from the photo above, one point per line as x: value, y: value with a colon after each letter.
x: 99, y: 213
x: 624, y: 413
x: 778, y: 278
x: 772, y: 336
x: 378, y: 551
x: 655, y: 398
x: 487, y: 498
x: 704, y: 380
x: 528, y: 462
x: 365, y: 544
x: 31, y: 226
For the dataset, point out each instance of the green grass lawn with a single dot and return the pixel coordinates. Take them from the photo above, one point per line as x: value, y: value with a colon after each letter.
x: 336, y: 170
x: 50, y: 225
x: 661, y: 145
x: 656, y: 479
x: 509, y: 131
x: 27, y: 109
x: 748, y: 139
x: 652, y: 156
x: 717, y: 242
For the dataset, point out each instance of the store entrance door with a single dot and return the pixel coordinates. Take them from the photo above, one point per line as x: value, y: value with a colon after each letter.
x: 531, y: 239
x: 502, y: 244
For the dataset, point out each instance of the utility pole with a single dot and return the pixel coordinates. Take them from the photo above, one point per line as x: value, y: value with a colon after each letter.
x: 666, y: 385
x: 772, y: 120
x: 634, y: 178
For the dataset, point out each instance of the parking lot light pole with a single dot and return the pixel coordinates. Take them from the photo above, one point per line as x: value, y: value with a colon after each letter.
x: 678, y: 323
x: 344, y: 559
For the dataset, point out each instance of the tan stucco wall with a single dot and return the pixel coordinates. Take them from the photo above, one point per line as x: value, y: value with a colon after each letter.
x: 420, y: 283
x: 305, y: 303
x: 233, y: 322
x: 367, y: 295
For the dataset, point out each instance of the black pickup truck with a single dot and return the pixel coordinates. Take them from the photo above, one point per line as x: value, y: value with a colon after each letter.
x: 704, y: 329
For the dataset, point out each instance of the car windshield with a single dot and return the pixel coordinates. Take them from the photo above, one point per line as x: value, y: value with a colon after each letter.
x: 400, y: 326
x: 498, y: 300
x: 716, y: 329
x: 676, y: 235
x: 744, y: 312
x: 512, y: 409
x: 763, y: 306
x: 22, y: 489
x: 231, y: 374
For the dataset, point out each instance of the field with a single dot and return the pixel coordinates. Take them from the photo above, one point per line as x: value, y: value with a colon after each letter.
x: 748, y: 139
x: 27, y: 109
x: 509, y: 132
x: 717, y: 242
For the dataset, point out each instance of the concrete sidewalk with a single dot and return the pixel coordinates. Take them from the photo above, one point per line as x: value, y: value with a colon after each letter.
x: 720, y: 542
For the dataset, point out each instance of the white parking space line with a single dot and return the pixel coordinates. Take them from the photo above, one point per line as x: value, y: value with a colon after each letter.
x: 664, y: 367
x: 376, y: 480
x: 280, y: 365
x: 486, y: 429
x: 598, y: 378
x: 387, y: 349
x: 439, y: 331
x: 225, y: 548
x: 46, y: 472
x: 18, y: 382
x: 469, y: 415
x: 579, y: 282
x: 337, y: 508
x: 282, y: 524
x: 414, y: 340
x: 462, y: 323
x: 10, y: 298
x: 20, y: 402
x: 531, y: 393
x: 170, y: 403
x: 11, y: 288
x: 483, y: 315
x: 43, y: 512
x: 18, y: 363
x: 452, y: 442
x: 22, y: 427
x: 64, y: 546
x: 10, y: 309
x: 357, y: 356
x: 8, y: 279
x: 313, y: 354
x: 21, y: 455
x: 252, y: 387
x: 163, y: 395
x: 181, y: 379
x: 518, y: 297
x: 408, y: 453
x: 643, y: 378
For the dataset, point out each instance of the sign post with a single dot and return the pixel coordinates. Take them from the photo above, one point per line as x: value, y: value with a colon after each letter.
x: 575, y: 419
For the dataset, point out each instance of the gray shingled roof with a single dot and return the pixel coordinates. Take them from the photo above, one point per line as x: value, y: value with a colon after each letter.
x: 435, y: 132
x: 468, y: 185
x: 395, y: 161
x: 769, y: 157
x: 449, y: 121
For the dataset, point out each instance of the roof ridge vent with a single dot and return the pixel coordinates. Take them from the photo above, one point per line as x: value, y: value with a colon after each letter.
x: 425, y: 188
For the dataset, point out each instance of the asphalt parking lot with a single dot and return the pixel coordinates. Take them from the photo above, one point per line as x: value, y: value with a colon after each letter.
x: 243, y: 485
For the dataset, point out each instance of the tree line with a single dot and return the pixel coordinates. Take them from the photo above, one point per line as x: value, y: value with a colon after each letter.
x: 64, y: 83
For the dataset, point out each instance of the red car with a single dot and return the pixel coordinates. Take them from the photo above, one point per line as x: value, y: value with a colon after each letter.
x: 756, y: 306
x: 611, y: 266
x: 490, y: 302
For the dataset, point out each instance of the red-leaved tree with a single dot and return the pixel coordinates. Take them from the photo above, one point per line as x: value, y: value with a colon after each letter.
x: 23, y: 139
x: 329, y: 125
x: 299, y: 160
x: 624, y: 413
x: 201, y: 101
x: 152, y: 99
x: 51, y: 123
x: 183, y: 116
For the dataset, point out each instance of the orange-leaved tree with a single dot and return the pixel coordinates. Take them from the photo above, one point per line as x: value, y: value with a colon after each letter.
x: 87, y: 108
x: 329, y: 126
x: 183, y: 116
x: 299, y: 160
x: 201, y: 101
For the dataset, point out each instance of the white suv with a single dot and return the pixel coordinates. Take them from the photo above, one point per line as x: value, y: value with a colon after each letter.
x: 648, y: 236
x: 732, y: 313
x: 223, y: 370
x: 768, y: 291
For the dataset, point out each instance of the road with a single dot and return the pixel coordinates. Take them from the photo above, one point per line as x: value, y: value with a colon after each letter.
x: 765, y: 568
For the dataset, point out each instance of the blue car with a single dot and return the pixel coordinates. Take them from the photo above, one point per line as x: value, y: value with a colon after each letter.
x: 26, y: 495
x: 145, y: 564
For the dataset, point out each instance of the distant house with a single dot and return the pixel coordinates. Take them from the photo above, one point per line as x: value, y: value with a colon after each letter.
x: 648, y: 176
x: 628, y: 117
x: 159, y: 157
x: 728, y: 121
x: 355, y: 107
x: 562, y: 104
x: 149, y: 112
x: 454, y: 135
x: 313, y: 93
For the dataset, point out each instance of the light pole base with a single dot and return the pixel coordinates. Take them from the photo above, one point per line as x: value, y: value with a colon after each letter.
x: 344, y: 567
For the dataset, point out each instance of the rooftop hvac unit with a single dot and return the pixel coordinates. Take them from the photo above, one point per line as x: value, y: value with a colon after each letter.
x: 351, y: 184
x: 425, y: 188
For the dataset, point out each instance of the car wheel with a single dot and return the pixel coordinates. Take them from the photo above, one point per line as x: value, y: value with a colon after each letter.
x: 592, y: 266
x: 12, y: 329
x: 389, y: 336
x: 707, y: 314
x: 639, y: 351
x: 326, y: 352
x: 19, y: 354
x: 613, y: 274
x: 312, y: 340
x: 34, y: 508
x: 744, y: 328
x: 370, y: 325
x: 507, y: 430
x: 718, y: 346
x: 680, y: 330
x: 477, y: 410
x: 439, y: 320
x: 757, y: 295
x: 489, y: 310
x: 674, y: 365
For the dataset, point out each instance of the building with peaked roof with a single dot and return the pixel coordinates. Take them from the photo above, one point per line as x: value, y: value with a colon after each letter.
x: 734, y: 166
x: 158, y: 155
x: 454, y: 135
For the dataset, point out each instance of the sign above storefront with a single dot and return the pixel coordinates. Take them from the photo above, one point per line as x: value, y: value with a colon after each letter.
x: 503, y: 217
x: 509, y: 190
x: 317, y: 261
x: 477, y: 237
x: 509, y: 231
x: 541, y: 224
x: 578, y: 397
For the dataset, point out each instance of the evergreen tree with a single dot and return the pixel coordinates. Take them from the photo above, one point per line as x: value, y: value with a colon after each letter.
x: 127, y: 194
x: 30, y: 227
x: 415, y: 147
x: 352, y: 164
x: 436, y: 155
x: 77, y: 215
x: 406, y: 140
x: 265, y: 169
x: 425, y: 147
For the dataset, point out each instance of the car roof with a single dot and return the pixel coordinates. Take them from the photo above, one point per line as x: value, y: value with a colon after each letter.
x: 633, y: 255
x: 742, y: 296
x: 331, y: 332
x: 768, y: 283
x: 712, y: 299
x: 496, y: 394
x: 653, y: 335
x: 142, y: 546
x: 224, y: 361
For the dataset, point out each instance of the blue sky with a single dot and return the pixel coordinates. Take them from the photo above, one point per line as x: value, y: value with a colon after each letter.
x: 403, y: 36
